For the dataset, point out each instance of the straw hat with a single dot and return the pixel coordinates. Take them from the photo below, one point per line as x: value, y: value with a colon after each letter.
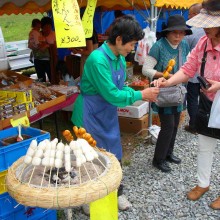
x: 205, y: 19
x: 176, y: 23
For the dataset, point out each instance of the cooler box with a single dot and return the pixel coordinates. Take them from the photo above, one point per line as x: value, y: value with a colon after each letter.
x: 11, y: 150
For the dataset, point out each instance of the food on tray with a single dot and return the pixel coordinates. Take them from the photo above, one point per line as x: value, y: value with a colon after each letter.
x: 6, y: 80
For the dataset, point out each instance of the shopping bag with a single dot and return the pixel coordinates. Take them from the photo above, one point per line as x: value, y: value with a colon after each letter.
x: 214, y: 119
x: 144, y: 46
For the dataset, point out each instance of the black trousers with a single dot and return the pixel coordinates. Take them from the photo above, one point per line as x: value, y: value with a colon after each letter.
x: 166, y: 138
x: 42, y: 67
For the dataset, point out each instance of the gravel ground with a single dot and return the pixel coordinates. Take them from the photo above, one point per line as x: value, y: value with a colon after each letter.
x: 155, y: 195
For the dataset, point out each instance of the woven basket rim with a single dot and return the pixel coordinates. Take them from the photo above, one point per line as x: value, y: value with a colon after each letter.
x: 65, y: 196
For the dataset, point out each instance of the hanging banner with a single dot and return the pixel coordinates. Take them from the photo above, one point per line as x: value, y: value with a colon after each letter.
x: 68, y: 26
x: 87, y: 20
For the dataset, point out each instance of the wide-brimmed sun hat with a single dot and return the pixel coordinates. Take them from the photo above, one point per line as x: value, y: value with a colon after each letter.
x: 205, y: 19
x: 176, y: 23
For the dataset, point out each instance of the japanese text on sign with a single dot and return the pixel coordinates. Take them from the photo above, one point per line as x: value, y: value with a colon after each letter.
x: 87, y: 19
x: 68, y: 26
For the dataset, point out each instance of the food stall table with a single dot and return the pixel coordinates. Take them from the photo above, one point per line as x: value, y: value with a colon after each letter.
x: 38, y: 116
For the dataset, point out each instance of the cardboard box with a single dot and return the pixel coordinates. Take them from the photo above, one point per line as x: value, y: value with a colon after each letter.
x: 24, y: 96
x: 137, y: 110
x: 133, y: 125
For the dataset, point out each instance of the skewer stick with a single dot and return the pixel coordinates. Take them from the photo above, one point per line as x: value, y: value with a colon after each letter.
x: 20, y: 174
x: 31, y: 175
x: 69, y: 189
x: 87, y: 171
x: 17, y: 205
x: 101, y: 163
x: 57, y: 176
x: 95, y: 169
x: 43, y: 177
x: 50, y: 176
x: 80, y: 180
x: 69, y: 178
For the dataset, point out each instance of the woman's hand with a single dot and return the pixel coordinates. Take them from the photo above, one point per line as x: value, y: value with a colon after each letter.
x: 215, y: 86
x: 150, y: 94
x: 161, y: 82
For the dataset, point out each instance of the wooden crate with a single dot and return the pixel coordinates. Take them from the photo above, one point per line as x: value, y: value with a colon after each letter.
x: 60, y: 98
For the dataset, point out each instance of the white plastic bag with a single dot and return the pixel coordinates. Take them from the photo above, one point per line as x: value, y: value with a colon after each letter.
x: 144, y: 46
x: 154, y: 131
x: 214, y: 119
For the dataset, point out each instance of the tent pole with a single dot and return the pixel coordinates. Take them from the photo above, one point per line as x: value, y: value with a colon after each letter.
x: 153, y: 15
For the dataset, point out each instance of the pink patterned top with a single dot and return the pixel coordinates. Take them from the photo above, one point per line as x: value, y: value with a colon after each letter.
x: 212, y: 66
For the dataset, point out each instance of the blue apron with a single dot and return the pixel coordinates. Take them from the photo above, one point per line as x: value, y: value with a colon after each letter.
x: 100, y: 118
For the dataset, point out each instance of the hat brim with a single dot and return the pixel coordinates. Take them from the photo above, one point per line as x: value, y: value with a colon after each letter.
x: 178, y: 28
x: 203, y: 20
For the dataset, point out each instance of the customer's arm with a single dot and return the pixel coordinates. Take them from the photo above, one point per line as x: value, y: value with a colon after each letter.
x: 177, y: 78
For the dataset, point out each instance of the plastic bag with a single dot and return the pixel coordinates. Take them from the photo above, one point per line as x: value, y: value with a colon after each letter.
x: 154, y: 131
x: 144, y: 46
x: 214, y: 119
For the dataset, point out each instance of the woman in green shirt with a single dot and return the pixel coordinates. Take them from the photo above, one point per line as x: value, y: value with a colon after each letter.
x: 103, y: 90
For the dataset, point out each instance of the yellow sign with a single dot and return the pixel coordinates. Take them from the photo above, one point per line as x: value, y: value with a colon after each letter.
x: 105, y: 208
x: 87, y: 19
x: 68, y: 26
x: 20, y: 121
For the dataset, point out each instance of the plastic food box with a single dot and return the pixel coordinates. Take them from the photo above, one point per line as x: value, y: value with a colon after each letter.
x: 11, y: 210
x: 10, y: 150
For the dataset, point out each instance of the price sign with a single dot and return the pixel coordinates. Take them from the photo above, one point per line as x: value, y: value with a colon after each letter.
x: 68, y: 26
x: 87, y: 20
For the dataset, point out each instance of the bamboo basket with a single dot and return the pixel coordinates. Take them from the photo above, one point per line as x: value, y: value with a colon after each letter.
x: 68, y: 196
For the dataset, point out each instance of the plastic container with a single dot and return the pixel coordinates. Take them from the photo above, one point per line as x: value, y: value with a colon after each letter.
x: 10, y: 150
x: 3, y: 188
x: 10, y: 210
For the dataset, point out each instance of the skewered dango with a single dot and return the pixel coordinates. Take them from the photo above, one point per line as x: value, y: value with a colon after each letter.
x: 169, y: 68
x: 68, y: 136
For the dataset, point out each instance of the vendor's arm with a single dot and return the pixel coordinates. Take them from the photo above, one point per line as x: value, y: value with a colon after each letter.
x: 101, y: 80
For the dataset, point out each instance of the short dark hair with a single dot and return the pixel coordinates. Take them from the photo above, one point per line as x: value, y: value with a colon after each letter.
x: 45, y: 21
x: 35, y: 21
x: 118, y: 13
x: 211, y: 5
x: 128, y: 28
